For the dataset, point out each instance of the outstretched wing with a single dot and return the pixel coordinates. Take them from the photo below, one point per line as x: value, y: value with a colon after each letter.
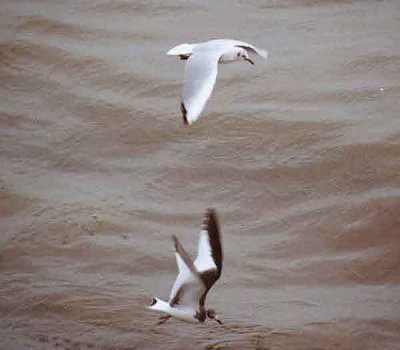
x: 250, y: 48
x: 188, y: 286
x: 200, y: 76
x: 216, y: 43
x: 181, y: 50
x: 209, y: 258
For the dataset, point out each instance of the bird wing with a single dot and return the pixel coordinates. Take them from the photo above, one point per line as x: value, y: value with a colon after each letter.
x: 249, y: 47
x: 182, y: 49
x: 200, y: 76
x: 232, y: 42
x: 188, y: 286
x: 209, y: 258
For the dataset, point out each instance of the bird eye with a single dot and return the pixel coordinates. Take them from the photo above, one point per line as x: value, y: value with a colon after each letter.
x: 238, y: 54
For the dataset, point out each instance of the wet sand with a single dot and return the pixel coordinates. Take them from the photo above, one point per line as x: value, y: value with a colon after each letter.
x: 300, y: 155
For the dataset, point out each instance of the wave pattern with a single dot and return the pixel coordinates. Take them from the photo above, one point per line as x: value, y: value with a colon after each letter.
x: 300, y: 156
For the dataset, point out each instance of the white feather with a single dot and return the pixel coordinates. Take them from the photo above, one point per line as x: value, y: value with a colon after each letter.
x: 200, y: 76
x: 250, y: 48
x: 204, y: 260
x: 182, y: 312
x: 191, y: 283
x: 182, y: 49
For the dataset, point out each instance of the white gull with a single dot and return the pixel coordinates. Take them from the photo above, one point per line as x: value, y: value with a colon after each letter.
x: 202, y: 68
x: 195, y: 278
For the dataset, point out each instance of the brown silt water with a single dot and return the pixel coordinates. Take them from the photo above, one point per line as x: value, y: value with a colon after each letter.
x: 299, y: 154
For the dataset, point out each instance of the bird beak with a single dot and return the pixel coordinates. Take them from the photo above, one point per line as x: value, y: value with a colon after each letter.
x: 248, y: 59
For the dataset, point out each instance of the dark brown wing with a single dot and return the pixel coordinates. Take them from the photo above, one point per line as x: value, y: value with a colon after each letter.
x: 210, y: 257
x: 212, y: 226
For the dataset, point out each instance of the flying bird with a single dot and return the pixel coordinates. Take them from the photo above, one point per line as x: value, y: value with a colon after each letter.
x: 195, y: 278
x: 202, y: 68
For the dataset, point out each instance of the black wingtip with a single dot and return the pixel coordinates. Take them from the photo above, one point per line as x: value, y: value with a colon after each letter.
x: 210, y: 215
x: 175, y: 239
x: 153, y: 301
x: 184, y: 114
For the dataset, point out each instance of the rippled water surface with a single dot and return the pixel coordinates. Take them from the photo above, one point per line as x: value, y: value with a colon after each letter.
x: 299, y: 154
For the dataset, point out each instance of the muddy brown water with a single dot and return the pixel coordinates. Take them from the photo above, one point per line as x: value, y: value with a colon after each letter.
x: 300, y: 155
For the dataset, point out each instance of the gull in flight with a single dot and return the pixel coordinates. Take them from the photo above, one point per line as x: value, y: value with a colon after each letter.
x: 202, y: 68
x: 195, y: 278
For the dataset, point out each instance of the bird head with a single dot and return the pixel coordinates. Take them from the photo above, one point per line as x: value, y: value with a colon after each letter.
x: 242, y: 54
x: 235, y: 54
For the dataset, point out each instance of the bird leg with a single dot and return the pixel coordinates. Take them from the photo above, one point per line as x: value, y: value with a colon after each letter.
x: 218, y: 320
x: 163, y: 319
x: 213, y: 316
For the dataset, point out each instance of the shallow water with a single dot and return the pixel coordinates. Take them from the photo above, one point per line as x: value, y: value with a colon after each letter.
x: 299, y: 154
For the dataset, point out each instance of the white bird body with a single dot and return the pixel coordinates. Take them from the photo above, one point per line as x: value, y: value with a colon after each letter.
x: 202, y: 69
x: 195, y: 278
